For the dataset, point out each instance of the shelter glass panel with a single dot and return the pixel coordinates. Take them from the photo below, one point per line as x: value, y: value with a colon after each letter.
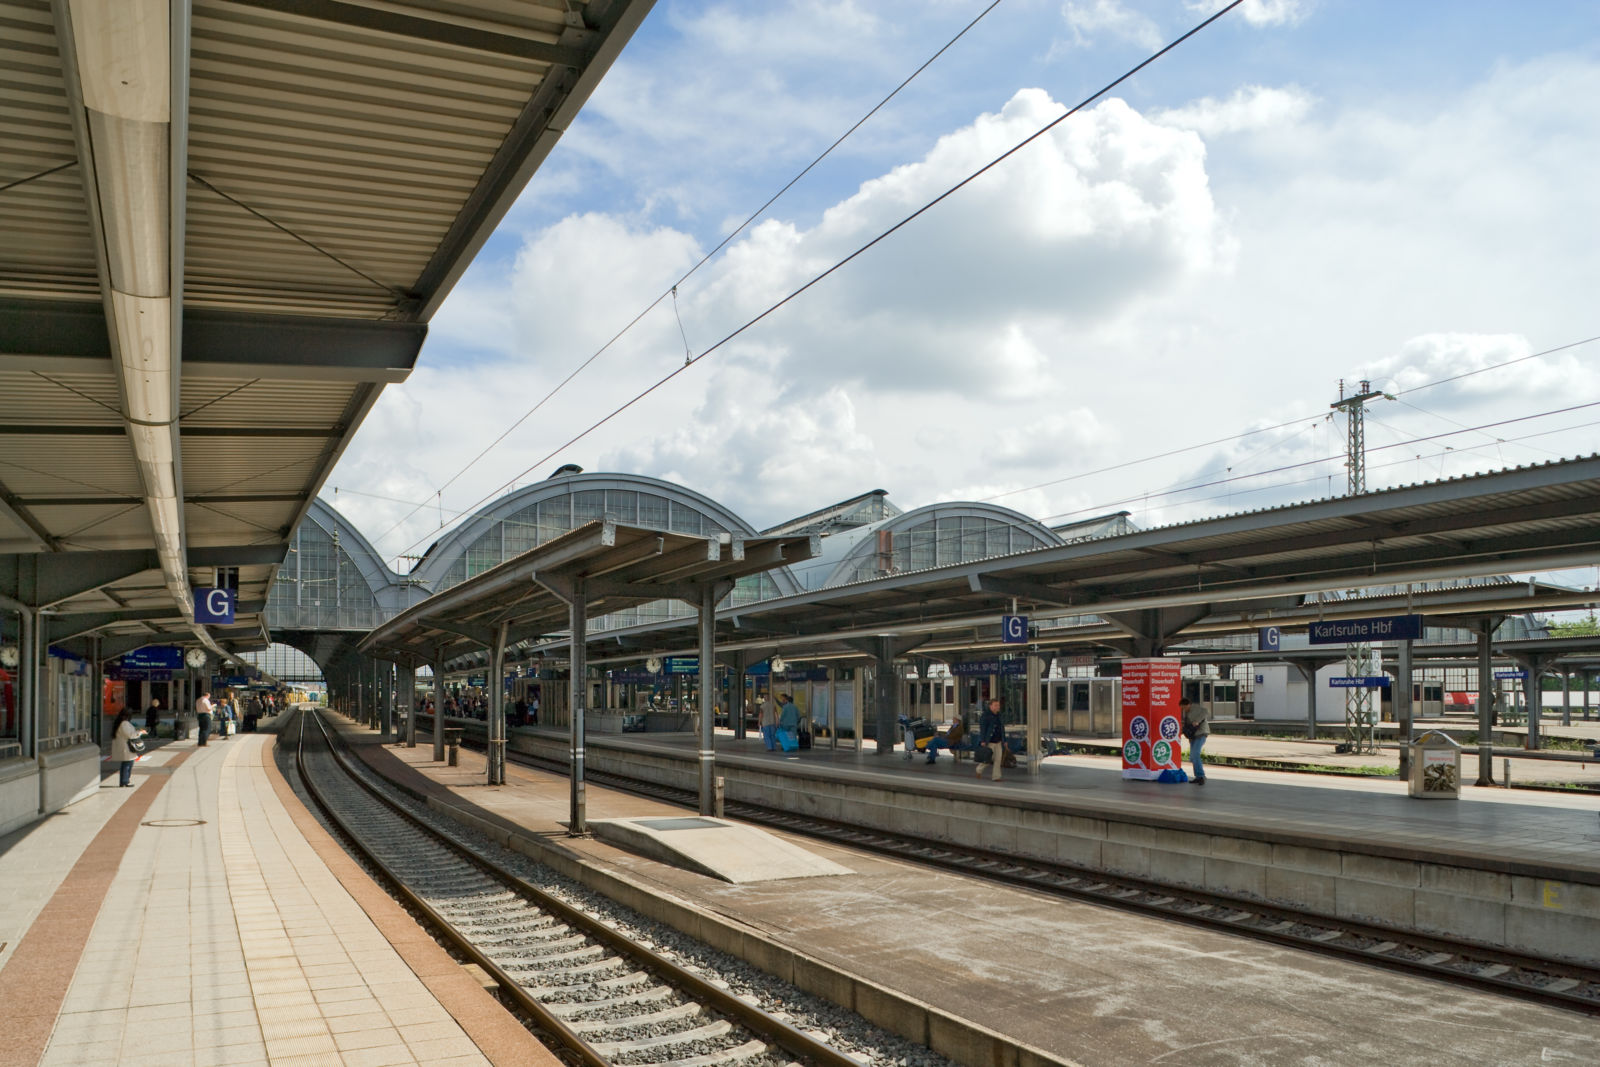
x: 653, y: 511
x: 623, y: 505
x: 587, y: 506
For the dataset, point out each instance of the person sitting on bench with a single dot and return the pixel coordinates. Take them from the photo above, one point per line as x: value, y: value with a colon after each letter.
x: 952, y: 739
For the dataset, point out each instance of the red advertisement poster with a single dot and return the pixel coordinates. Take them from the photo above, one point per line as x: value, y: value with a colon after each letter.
x: 1152, y: 742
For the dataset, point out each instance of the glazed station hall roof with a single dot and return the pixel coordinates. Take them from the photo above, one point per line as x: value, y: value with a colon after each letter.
x: 224, y: 226
x: 1148, y: 586
x: 617, y: 565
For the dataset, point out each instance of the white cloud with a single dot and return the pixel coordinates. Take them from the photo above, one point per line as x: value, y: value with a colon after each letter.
x: 1105, y: 210
x: 1439, y: 356
x: 1118, y: 288
x: 1260, y: 12
x: 1249, y: 108
x: 1089, y: 19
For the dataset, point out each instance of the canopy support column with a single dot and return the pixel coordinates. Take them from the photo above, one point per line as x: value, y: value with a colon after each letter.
x: 708, y: 676
x: 1485, y: 702
x: 409, y: 691
x: 578, y: 614
x: 497, y: 708
x: 1035, y: 711
x: 1402, y: 706
x: 438, y: 705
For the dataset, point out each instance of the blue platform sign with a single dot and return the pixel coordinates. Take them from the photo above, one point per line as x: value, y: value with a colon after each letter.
x: 989, y: 666
x: 1014, y: 629
x: 1520, y: 676
x: 1378, y: 628
x: 1371, y: 681
x: 214, y: 606
x: 682, y: 665
x: 154, y: 658
x: 1269, y: 639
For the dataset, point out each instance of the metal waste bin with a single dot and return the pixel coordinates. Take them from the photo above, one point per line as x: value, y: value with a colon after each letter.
x: 452, y: 744
x: 1435, y: 766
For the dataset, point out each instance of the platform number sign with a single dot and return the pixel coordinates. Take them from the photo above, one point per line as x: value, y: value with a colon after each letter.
x: 1270, y: 639
x: 1014, y: 629
x: 215, y: 606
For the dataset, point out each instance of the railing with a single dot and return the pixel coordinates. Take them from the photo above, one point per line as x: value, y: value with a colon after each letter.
x: 66, y: 740
x: 10, y: 749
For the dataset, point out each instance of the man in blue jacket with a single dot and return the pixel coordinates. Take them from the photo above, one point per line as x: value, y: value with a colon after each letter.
x: 992, y: 732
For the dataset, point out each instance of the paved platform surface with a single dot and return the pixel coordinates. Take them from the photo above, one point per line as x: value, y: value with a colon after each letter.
x: 1542, y: 834
x: 1089, y: 984
x: 203, y: 917
x: 1554, y: 766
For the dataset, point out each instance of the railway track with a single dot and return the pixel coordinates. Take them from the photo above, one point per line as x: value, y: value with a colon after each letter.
x: 598, y: 995
x: 1547, y: 982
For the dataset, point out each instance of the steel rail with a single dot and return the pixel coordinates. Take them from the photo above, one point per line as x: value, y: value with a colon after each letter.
x: 1195, y: 907
x: 763, y: 1024
x: 570, y: 1042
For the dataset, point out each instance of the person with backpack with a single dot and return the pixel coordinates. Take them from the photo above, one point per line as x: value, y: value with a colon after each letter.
x: 789, y: 722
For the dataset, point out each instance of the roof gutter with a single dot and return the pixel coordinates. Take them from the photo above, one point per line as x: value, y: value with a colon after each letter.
x: 126, y: 70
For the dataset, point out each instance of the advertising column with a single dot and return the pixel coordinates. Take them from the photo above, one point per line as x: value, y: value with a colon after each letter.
x: 1151, y: 749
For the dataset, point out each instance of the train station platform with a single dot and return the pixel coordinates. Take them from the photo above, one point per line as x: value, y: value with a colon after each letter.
x: 1510, y: 868
x: 1082, y: 982
x: 204, y: 917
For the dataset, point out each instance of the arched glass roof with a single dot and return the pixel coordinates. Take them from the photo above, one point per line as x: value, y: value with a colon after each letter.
x: 933, y: 536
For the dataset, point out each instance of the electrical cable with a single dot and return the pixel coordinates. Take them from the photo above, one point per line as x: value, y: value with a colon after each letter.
x: 1324, y: 459
x: 884, y: 235
x: 672, y: 290
x: 1497, y: 366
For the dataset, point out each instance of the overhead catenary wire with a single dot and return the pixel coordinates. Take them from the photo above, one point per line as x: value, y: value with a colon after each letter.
x: 672, y: 290
x: 862, y: 249
x: 1323, y: 459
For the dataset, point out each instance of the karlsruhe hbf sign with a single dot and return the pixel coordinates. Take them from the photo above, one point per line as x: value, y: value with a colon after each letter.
x: 1378, y: 628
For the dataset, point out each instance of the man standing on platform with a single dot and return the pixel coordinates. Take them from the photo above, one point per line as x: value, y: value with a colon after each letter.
x: 1196, y: 729
x: 202, y: 714
x: 992, y: 732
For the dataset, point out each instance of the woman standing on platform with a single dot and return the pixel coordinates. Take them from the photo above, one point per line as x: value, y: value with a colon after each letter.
x: 1196, y: 729
x: 122, y: 732
x: 769, y: 722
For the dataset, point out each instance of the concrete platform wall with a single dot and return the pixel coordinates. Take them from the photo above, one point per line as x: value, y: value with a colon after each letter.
x: 68, y: 775
x: 1548, y: 917
x: 19, y: 793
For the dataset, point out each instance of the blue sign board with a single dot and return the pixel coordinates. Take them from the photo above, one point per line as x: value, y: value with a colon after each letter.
x: 1014, y: 629
x: 1269, y: 639
x: 1379, y: 628
x: 214, y: 605
x: 682, y: 665
x: 232, y: 681
x: 1375, y: 681
x: 634, y: 676
x: 154, y: 658
x: 990, y: 666
x: 1521, y: 676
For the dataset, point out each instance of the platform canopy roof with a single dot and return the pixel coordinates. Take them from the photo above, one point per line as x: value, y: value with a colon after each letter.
x: 224, y: 226
x: 1245, y: 569
x: 618, y: 566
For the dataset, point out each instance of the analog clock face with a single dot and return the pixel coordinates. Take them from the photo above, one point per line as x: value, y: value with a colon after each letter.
x: 9, y: 656
x: 652, y: 664
x: 195, y: 657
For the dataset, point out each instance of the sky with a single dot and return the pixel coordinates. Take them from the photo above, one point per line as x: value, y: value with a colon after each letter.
x: 1306, y: 191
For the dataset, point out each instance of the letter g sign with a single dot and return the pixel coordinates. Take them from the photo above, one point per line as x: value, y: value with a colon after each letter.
x: 215, y: 606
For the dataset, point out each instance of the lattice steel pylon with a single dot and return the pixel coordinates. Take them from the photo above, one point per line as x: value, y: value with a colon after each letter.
x: 1360, y: 716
